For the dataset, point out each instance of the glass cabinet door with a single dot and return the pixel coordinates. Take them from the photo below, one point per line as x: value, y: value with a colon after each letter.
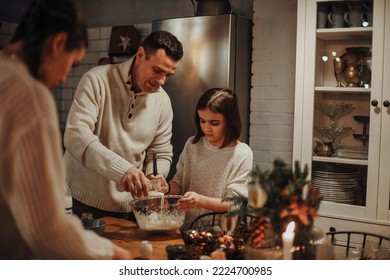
x: 342, y: 94
x: 343, y: 83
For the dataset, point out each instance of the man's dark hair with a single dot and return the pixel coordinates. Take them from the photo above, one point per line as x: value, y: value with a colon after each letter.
x: 163, y: 40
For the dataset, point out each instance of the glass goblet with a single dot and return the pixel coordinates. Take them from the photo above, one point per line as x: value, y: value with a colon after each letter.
x: 229, y: 223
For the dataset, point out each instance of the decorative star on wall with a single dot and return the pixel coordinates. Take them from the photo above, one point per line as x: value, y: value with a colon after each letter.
x: 125, y: 42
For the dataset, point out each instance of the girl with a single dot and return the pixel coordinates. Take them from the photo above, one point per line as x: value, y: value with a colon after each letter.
x: 214, y: 163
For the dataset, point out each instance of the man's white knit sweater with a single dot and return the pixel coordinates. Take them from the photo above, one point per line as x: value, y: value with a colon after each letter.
x: 110, y: 129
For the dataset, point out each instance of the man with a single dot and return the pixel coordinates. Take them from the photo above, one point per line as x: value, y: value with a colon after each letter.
x: 119, y: 118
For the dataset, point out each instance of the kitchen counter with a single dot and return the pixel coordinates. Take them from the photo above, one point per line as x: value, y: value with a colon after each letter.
x: 128, y: 235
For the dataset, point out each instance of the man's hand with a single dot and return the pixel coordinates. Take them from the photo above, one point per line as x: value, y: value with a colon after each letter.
x: 135, y: 182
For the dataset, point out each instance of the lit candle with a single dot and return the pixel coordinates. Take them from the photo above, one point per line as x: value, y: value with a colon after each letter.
x: 288, y: 239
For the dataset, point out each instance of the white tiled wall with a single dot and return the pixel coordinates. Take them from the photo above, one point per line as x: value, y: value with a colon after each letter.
x: 6, y: 31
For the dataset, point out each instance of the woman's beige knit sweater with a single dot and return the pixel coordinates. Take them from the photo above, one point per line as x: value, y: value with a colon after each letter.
x: 32, y: 176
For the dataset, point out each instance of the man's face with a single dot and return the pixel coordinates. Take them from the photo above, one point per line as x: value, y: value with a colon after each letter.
x: 152, y: 73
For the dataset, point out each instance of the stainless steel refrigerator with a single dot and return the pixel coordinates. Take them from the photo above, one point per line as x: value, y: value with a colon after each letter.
x: 217, y: 53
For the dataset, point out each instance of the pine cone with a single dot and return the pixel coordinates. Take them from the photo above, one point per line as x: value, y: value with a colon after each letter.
x: 262, y: 234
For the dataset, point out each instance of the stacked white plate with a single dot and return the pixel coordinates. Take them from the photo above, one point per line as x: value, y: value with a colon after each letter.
x: 339, y: 187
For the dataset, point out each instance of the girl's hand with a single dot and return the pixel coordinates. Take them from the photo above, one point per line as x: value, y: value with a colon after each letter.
x: 188, y: 201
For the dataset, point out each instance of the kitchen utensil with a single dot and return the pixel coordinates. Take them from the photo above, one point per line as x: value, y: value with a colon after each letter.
x: 155, y: 171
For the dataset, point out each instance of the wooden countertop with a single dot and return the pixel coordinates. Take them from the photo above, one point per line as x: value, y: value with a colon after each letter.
x: 128, y: 235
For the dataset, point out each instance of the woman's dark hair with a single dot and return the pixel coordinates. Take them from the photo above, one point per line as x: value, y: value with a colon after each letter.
x: 163, y: 40
x: 43, y: 19
x: 221, y: 101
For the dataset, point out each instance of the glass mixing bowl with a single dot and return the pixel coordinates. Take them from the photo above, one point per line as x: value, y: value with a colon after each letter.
x: 158, y: 213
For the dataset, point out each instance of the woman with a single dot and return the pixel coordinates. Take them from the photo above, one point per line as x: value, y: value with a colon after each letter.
x: 214, y: 163
x: 50, y: 39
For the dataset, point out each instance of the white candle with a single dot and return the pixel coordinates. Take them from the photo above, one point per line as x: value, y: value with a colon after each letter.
x: 288, y: 239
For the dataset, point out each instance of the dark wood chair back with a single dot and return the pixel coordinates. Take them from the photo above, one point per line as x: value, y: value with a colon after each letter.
x: 357, y: 243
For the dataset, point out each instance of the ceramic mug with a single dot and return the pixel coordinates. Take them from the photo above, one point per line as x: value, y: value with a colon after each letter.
x: 322, y: 19
x: 354, y: 18
x: 367, y: 15
x: 336, y: 19
x: 322, y: 15
x: 336, y: 14
x: 366, y: 18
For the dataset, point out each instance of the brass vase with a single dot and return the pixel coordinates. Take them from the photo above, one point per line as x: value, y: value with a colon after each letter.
x: 351, y: 74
